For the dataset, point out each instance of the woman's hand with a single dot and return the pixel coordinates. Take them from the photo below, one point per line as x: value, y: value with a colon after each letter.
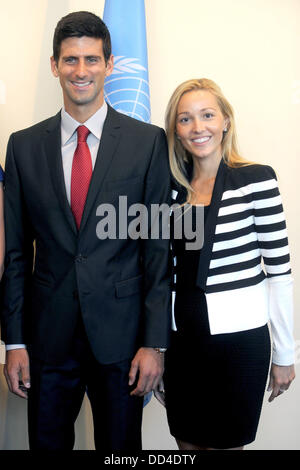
x: 281, y: 378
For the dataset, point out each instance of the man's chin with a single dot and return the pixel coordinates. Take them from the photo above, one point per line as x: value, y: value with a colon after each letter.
x: 82, y: 100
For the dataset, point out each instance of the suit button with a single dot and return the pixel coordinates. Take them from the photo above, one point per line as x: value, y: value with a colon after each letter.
x: 80, y: 258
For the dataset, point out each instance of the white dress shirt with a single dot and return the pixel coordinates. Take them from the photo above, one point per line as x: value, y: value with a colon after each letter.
x: 68, y: 146
x: 69, y: 140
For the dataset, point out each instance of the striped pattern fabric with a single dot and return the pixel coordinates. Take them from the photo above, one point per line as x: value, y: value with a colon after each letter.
x: 244, y: 265
x: 250, y: 228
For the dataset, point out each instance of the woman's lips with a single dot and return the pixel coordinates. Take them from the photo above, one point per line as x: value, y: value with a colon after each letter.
x: 201, y: 140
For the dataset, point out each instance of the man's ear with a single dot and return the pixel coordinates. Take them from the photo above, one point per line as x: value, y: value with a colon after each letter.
x: 109, y: 66
x: 54, y: 66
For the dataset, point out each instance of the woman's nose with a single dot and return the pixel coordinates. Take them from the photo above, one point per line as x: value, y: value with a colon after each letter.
x: 198, y: 125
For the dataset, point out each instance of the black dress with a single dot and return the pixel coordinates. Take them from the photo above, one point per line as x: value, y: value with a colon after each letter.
x: 214, y: 384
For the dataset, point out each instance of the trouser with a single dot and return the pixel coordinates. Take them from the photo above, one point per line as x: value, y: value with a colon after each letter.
x: 56, y: 396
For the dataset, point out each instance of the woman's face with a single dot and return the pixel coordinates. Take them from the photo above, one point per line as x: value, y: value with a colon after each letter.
x: 200, y: 124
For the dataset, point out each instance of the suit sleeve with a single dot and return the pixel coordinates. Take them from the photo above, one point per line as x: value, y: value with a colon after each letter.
x: 273, y: 242
x: 156, y: 249
x: 18, y: 255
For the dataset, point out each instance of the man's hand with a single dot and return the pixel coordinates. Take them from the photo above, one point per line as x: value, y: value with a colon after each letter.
x: 281, y: 378
x: 16, y: 371
x: 150, y: 365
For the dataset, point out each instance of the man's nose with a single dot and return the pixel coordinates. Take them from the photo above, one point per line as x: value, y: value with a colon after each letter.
x: 81, y: 69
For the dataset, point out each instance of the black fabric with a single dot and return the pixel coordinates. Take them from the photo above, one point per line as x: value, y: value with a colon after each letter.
x: 56, y: 396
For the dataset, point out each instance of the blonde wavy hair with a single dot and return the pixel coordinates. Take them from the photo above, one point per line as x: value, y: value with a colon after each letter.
x: 178, y: 155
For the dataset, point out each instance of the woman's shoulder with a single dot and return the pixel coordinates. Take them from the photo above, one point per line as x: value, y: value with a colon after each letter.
x: 252, y: 173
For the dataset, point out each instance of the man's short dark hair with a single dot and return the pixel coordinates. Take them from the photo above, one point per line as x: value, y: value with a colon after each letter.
x: 78, y: 24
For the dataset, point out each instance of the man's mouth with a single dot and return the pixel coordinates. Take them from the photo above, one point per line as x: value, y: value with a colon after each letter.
x: 81, y: 84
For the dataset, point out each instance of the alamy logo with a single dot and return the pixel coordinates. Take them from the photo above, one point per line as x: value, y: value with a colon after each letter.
x: 127, y: 91
x: 159, y: 221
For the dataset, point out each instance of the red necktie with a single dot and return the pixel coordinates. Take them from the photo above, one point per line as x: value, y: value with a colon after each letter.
x: 81, y: 174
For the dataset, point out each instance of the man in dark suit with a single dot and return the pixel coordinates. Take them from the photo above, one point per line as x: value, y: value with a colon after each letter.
x: 82, y: 313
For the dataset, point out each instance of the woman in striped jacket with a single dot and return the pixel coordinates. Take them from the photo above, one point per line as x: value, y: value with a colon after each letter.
x: 229, y: 290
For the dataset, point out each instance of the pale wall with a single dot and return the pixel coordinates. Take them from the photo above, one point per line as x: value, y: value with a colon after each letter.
x: 251, y: 49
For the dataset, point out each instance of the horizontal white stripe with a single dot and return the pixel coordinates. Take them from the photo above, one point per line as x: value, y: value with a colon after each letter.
x: 260, y: 204
x: 270, y: 219
x: 232, y: 226
x: 238, y: 310
x: 278, y: 269
x: 250, y: 188
x: 235, y: 208
x: 271, y: 236
x: 240, y: 241
x: 284, y: 280
x: 242, y: 257
x: 270, y: 202
x: 235, y: 276
x: 275, y: 252
x: 251, y: 237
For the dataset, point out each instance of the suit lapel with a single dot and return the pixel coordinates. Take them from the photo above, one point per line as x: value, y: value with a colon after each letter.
x: 52, y: 145
x: 210, y: 226
x: 108, y: 144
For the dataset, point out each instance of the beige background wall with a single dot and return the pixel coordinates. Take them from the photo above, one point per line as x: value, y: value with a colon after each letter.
x: 251, y: 49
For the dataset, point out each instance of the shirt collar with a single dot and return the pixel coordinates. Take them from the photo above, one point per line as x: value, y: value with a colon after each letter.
x: 94, y: 124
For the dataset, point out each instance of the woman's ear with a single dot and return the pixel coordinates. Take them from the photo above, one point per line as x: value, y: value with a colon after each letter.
x: 226, y: 125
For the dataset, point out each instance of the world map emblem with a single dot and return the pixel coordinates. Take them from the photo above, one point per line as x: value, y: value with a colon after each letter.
x: 127, y: 88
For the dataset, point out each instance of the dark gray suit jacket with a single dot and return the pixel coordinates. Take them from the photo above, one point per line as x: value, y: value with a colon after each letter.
x: 53, y: 273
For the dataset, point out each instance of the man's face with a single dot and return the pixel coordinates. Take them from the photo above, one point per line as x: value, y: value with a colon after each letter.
x: 81, y: 70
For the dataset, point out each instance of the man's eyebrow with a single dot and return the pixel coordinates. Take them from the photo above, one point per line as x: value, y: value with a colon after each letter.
x: 72, y: 56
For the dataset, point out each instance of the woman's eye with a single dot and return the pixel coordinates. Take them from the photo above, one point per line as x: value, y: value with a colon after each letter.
x: 184, y: 120
x: 208, y: 115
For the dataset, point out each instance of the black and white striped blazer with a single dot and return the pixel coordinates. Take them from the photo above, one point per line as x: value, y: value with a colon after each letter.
x: 244, y: 265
